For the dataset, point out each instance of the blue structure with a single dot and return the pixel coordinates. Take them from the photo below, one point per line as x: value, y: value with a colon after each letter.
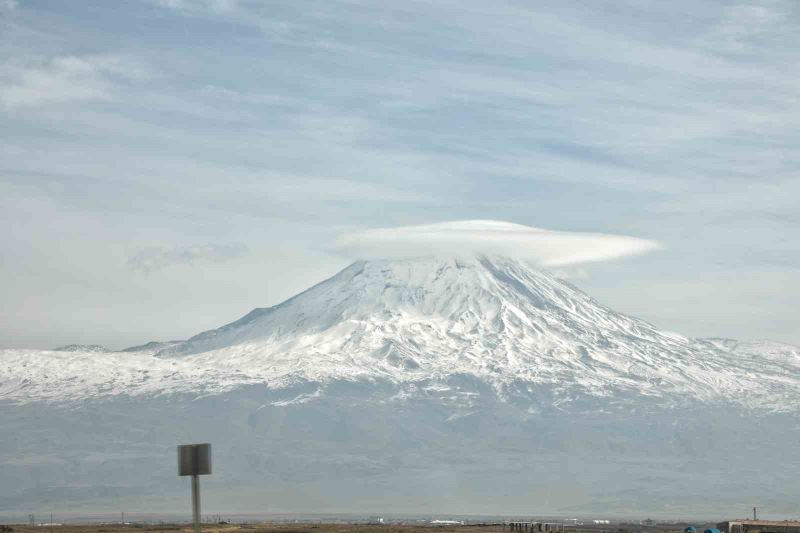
x: 711, y: 530
x: 690, y: 529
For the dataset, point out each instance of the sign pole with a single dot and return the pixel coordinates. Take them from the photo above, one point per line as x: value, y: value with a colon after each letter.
x: 196, y: 502
x: 194, y: 460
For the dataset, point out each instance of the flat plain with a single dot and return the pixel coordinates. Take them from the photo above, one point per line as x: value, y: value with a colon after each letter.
x: 322, y: 528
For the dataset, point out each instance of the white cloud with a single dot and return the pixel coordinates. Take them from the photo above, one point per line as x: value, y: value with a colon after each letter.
x: 187, y: 5
x: 543, y: 247
x: 8, y: 4
x: 64, y: 79
x: 744, y: 25
x: 157, y: 258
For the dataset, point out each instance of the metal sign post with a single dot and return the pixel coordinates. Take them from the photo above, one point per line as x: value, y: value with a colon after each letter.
x: 194, y: 460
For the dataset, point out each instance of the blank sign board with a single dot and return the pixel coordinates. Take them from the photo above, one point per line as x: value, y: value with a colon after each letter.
x: 194, y: 459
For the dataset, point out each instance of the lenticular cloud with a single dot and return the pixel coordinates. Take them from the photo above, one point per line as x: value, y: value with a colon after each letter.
x: 544, y: 247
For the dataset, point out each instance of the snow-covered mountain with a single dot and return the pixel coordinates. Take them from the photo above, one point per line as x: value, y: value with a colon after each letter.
x: 493, y: 318
x: 460, y: 368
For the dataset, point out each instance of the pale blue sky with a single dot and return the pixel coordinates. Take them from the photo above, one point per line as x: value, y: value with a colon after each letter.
x: 167, y: 165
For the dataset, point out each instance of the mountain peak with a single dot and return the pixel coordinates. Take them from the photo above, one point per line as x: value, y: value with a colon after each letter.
x: 469, y: 289
x: 490, y: 316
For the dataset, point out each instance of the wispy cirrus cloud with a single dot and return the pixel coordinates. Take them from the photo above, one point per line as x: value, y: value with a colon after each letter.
x: 187, y: 5
x: 155, y: 258
x: 36, y: 81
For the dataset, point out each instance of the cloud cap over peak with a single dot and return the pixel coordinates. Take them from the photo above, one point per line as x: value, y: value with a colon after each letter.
x: 544, y: 247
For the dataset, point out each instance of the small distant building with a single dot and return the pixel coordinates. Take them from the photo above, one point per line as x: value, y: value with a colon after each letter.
x: 759, y: 526
x: 536, y: 527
